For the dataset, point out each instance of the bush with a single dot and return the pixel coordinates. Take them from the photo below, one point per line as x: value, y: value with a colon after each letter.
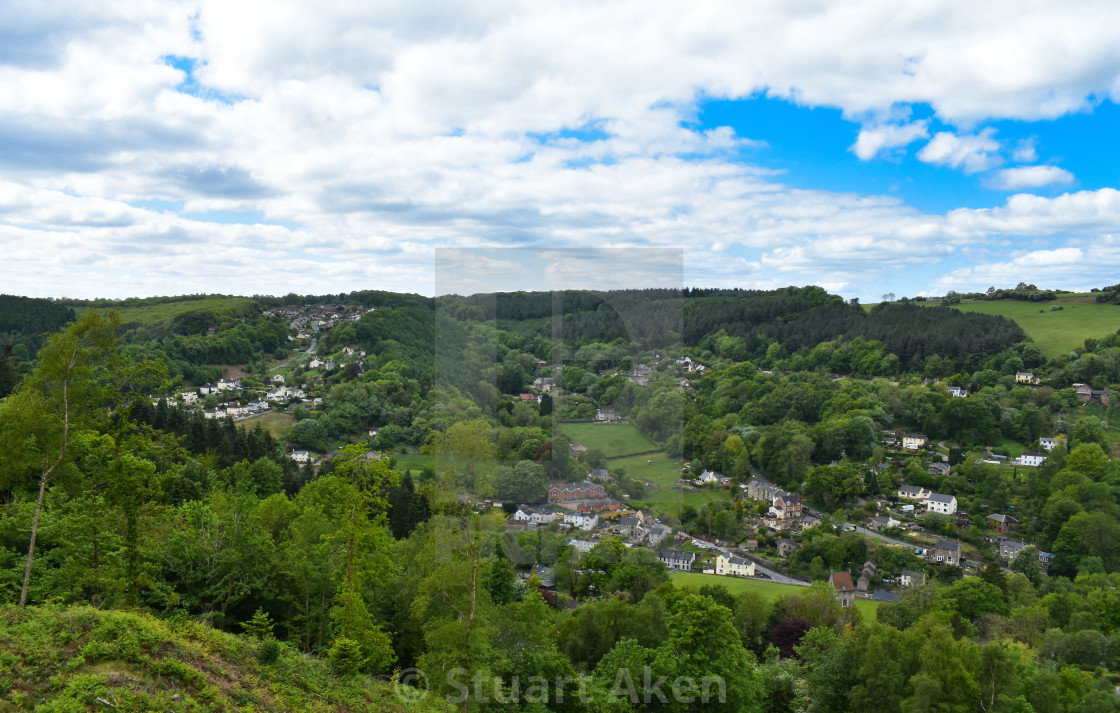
x: 269, y: 651
x: 346, y: 656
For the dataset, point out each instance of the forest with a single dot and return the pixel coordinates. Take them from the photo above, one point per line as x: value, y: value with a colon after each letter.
x: 115, y: 496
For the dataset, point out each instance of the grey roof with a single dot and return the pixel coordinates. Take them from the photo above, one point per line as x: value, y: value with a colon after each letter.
x: 675, y: 555
x: 940, y: 498
x: 948, y: 545
x: 882, y: 596
x: 914, y: 573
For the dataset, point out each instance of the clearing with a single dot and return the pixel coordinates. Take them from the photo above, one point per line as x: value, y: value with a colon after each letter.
x: 614, y: 439
x: 771, y: 590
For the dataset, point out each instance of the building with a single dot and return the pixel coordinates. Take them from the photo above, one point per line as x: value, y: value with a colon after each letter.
x: 607, y: 415
x: 760, y: 489
x: 1026, y: 377
x: 880, y: 595
x: 1001, y: 523
x: 914, y: 492
x: 939, y: 468
x: 914, y: 441
x: 569, y: 492
x: 676, y: 559
x: 1008, y: 548
x: 301, y: 456
x: 1031, y: 458
x: 845, y: 591
x: 786, y: 547
x: 912, y: 578
x: 578, y: 449
x: 598, y: 505
x: 947, y: 552
x: 944, y: 504
x: 728, y: 564
x: 658, y: 532
x: 1048, y: 443
x: 957, y: 392
x: 539, y: 516
x: 582, y: 521
x: 787, y: 506
x: 882, y: 522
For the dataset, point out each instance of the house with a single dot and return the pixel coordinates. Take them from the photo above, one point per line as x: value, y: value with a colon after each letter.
x: 599, y: 474
x: 598, y: 505
x: 946, y: 552
x: 760, y: 489
x: 786, y: 547
x: 628, y: 526
x: 880, y: 595
x: 227, y: 384
x: 1001, y: 523
x: 882, y: 522
x: 545, y: 574
x: 912, y: 578
x: 1031, y: 458
x: 728, y: 564
x: 1048, y: 443
x: 207, y: 389
x: 914, y: 441
x: 568, y: 492
x: 676, y: 559
x: 582, y: 521
x: 1008, y: 548
x: 1026, y: 377
x: 606, y: 415
x: 708, y: 477
x: 578, y: 449
x: 527, y: 398
x: 957, y: 392
x: 658, y: 532
x: 189, y: 397
x: 944, y: 504
x: 863, y: 583
x: 539, y: 516
x: 914, y: 492
x: 787, y: 506
x: 301, y: 456
x: 941, y: 468
x: 842, y: 583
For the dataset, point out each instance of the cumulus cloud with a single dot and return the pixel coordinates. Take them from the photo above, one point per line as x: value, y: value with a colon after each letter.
x: 357, y: 139
x: 1014, y: 179
x: 973, y: 153
x: 872, y: 141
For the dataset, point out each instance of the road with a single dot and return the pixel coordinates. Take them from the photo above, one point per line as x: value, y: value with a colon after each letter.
x: 775, y: 576
x: 310, y: 350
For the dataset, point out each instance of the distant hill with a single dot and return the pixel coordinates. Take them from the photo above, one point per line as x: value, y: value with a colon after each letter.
x: 1054, y: 331
x: 84, y: 659
x: 24, y: 320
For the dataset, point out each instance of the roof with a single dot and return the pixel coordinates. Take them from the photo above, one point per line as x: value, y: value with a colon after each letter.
x: 948, y: 545
x: 880, y: 595
x: 999, y: 517
x: 941, y: 498
x: 910, y: 489
x: 790, y: 498
x: 913, y: 573
x: 842, y: 581
x: 675, y: 555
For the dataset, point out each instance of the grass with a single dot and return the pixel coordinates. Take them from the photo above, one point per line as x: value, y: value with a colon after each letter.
x: 664, y: 471
x: 415, y: 462
x: 150, y: 314
x: 275, y: 422
x: 1059, y: 332
x: 770, y: 590
x: 83, y: 659
x: 614, y: 439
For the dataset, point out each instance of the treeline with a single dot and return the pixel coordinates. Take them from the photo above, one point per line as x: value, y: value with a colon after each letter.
x: 1022, y: 291
x: 26, y: 320
x: 1109, y: 295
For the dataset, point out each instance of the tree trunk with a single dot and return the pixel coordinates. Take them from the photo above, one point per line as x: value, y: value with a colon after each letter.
x: 48, y: 470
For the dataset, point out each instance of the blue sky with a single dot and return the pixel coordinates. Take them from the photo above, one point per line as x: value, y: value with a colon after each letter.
x: 239, y: 147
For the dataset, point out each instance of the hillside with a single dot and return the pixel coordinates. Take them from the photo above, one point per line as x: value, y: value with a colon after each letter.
x: 1056, y: 332
x: 84, y: 659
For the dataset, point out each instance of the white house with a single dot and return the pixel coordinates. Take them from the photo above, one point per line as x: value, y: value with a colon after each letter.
x: 944, y: 504
x: 1031, y: 458
x: 914, y: 492
x: 189, y: 397
x: 582, y: 521
x: 914, y: 441
x: 957, y: 392
x: 1048, y: 443
x: 727, y: 564
x: 301, y: 456
x: 676, y: 559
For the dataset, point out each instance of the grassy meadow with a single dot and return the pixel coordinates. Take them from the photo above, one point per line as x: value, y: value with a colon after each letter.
x: 770, y: 590
x: 614, y: 439
x: 150, y: 314
x: 275, y: 422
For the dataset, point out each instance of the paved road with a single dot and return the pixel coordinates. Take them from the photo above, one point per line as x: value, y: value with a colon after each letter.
x: 775, y: 576
x: 879, y: 536
x: 310, y: 350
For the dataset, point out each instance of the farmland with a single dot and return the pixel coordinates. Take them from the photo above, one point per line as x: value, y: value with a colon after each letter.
x: 613, y: 439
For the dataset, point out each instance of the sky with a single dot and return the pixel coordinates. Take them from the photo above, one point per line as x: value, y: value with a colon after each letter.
x: 154, y: 147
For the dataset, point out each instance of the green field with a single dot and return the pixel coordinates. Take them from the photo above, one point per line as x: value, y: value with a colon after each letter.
x: 148, y: 314
x: 412, y: 461
x: 771, y: 590
x: 1057, y: 332
x: 614, y: 439
x: 275, y: 422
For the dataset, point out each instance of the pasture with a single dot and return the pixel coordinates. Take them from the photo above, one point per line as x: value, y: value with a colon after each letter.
x: 613, y: 439
x: 770, y: 590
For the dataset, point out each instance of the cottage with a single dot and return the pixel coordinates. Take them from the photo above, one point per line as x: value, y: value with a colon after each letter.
x: 676, y: 559
x: 728, y: 564
x: 957, y: 392
x: 914, y: 441
x: 628, y: 526
x: 1001, y: 523
x: 786, y: 547
x: 760, y: 489
x: 301, y: 456
x: 914, y: 492
x: 1031, y: 458
x: 1048, y: 443
x: 1008, y: 548
x: 947, y: 552
x: 708, y: 477
x: 606, y: 415
x: 1026, y: 377
x: 912, y: 578
x: 658, y: 532
x: 578, y: 449
x: 940, y: 468
x: 842, y: 583
x: 882, y: 522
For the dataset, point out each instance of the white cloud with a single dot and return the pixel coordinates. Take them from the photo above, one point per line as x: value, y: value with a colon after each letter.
x: 872, y: 141
x: 1024, y: 152
x: 1014, y: 179
x: 973, y: 153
